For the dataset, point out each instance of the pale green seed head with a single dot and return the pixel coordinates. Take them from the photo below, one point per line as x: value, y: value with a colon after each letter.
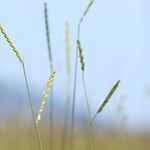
x: 45, y: 95
x: 12, y: 44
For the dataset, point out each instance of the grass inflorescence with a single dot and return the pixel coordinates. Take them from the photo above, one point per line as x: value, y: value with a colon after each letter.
x: 49, y: 48
x: 46, y: 93
x: 68, y: 100
x: 87, y: 10
x: 12, y: 44
x: 68, y: 48
x: 48, y: 35
x: 81, y: 55
x: 114, y: 88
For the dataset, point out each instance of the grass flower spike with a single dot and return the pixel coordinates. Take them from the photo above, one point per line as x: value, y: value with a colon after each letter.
x: 68, y: 47
x: 107, y: 98
x: 87, y: 10
x: 81, y: 55
x: 46, y: 92
x: 12, y: 44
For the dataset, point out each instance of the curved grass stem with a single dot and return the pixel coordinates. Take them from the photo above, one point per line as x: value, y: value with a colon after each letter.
x: 31, y: 107
x: 75, y: 75
x: 51, y: 68
x: 89, y: 113
x: 74, y: 92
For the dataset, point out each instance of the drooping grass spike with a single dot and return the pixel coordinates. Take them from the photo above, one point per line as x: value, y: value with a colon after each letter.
x: 49, y: 48
x: 87, y: 10
x: 83, y: 16
x: 12, y: 44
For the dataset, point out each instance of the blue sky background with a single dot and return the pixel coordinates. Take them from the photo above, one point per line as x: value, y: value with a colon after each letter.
x: 115, y: 37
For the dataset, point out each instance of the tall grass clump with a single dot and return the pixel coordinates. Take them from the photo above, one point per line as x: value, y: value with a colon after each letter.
x: 68, y: 69
x: 48, y: 38
x: 76, y: 68
x: 21, y: 59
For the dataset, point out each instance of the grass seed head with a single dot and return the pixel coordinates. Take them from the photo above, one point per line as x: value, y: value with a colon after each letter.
x: 81, y: 55
x: 45, y: 95
x: 68, y: 49
x: 87, y: 10
x: 108, y: 96
x: 12, y: 44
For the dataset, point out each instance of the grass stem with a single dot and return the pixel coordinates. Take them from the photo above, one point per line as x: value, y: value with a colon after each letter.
x: 51, y: 68
x: 31, y: 107
x: 89, y: 112
x: 73, y: 100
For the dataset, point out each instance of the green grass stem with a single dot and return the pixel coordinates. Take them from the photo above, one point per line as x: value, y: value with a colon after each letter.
x: 51, y: 68
x: 31, y: 106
